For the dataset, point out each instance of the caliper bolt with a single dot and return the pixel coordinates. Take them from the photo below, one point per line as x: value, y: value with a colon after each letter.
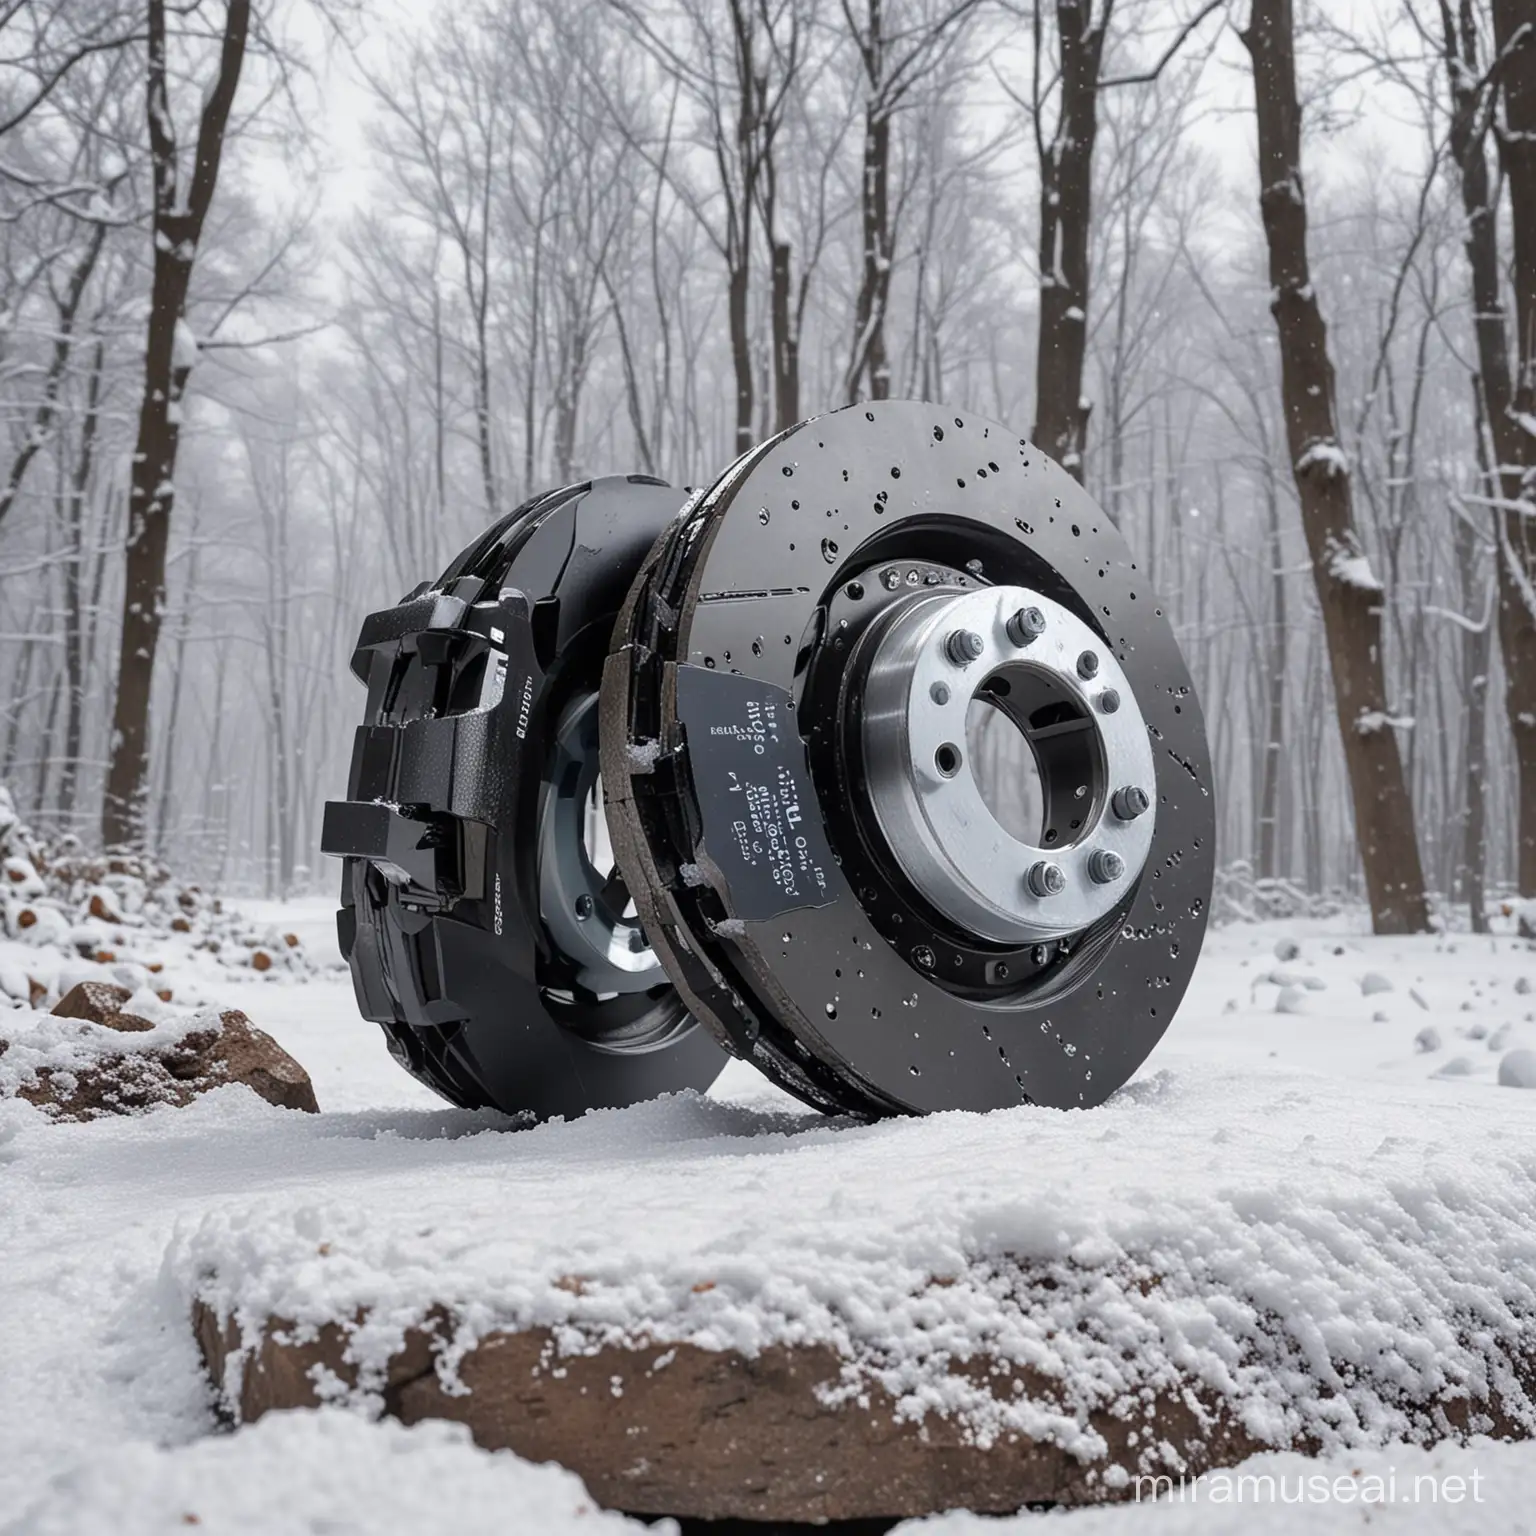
x: 1026, y: 626
x: 964, y: 646
x: 923, y: 956
x: 1129, y: 801
x: 1046, y: 879
x: 1109, y: 701
x: 1104, y: 867
x: 583, y: 907
x: 1088, y: 665
x: 638, y: 941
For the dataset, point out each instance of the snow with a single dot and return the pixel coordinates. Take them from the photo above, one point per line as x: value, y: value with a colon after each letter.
x: 184, y: 347
x: 642, y: 755
x: 323, y: 1473
x: 1369, y: 721
x: 1450, y: 1490
x: 1305, y: 1189
x: 1326, y: 454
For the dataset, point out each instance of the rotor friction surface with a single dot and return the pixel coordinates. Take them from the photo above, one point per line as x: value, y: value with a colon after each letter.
x: 741, y: 806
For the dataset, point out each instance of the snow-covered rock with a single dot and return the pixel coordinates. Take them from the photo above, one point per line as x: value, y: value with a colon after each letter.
x: 1517, y: 1069
x: 104, y: 1051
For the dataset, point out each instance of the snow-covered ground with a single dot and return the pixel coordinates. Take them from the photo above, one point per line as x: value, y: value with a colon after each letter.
x: 1333, y: 1160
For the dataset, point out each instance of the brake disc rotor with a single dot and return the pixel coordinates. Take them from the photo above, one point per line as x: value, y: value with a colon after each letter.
x: 483, y: 919
x: 800, y: 790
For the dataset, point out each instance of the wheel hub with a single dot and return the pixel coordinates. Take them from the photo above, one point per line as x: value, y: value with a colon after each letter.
x: 1060, y: 685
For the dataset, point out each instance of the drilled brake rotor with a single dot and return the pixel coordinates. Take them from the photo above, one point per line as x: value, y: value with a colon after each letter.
x: 796, y: 798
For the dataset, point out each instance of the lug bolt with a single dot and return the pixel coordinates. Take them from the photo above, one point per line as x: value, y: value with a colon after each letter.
x: 923, y: 957
x: 964, y: 646
x: 1129, y: 801
x: 1026, y: 626
x: 1046, y: 879
x: 1088, y: 665
x: 1104, y: 867
x: 1109, y: 701
x: 890, y: 580
x: 637, y: 940
x: 583, y: 907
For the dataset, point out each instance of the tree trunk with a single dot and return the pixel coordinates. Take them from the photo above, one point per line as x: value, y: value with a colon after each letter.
x: 1274, y: 689
x: 74, y: 576
x: 1348, y: 594
x: 178, y: 673
x: 1514, y: 425
x: 867, y: 360
x: 786, y: 341
x: 63, y: 344
x: 1475, y: 658
x: 169, y: 354
x: 1066, y: 171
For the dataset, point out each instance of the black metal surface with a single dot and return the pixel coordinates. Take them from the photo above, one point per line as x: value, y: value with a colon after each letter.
x: 440, y: 917
x: 867, y: 1001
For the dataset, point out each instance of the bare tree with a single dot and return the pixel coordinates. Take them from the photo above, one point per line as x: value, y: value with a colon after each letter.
x: 1348, y: 593
x: 1066, y: 205
x: 181, y: 203
x: 1514, y: 425
x: 897, y: 52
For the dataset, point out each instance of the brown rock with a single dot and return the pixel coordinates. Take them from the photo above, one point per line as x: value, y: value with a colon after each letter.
x: 106, y: 956
x: 291, y: 940
x: 252, y: 1057
x: 180, y: 925
x: 36, y: 990
x: 261, y: 961
x: 99, y: 908
x: 674, y: 1429
x: 26, y: 918
x: 716, y: 1435
x: 97, y: 1001
x: 233, y: 1051
x: 101, y: 1002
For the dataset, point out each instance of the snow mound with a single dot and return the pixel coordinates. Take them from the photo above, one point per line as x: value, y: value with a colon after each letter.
x: 321, y: 1473
x: 1518, y: 1070
x: 1321, y: 1267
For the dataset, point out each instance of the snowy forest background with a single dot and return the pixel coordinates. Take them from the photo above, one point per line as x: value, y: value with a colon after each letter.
x: 451, y: 254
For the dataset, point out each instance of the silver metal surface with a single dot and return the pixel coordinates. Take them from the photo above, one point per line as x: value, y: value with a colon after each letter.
x: 609, y: 948
x: 927, y: 800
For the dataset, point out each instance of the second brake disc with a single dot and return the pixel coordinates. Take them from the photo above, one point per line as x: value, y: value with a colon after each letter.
x: 906, y: 771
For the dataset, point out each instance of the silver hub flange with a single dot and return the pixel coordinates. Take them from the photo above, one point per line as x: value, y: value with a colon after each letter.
x: 1074, y: 705
x: 609, y: 949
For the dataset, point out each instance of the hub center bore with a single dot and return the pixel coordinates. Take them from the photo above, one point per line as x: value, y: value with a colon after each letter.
x: 1059, y: 684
